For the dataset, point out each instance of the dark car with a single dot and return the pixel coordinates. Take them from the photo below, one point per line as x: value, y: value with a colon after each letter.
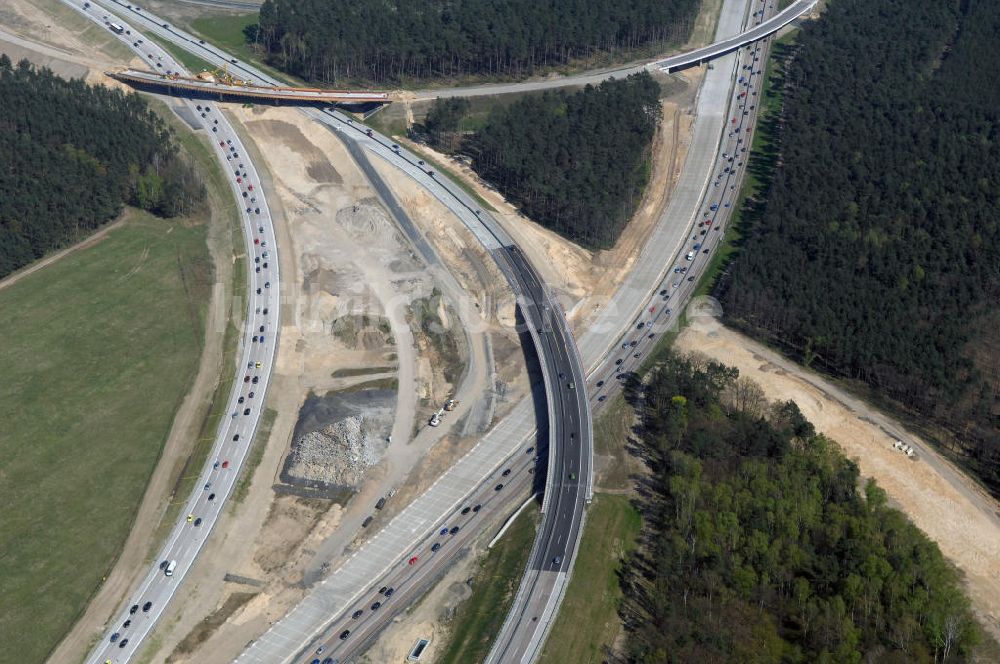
x: 135, y: 607
x: 211, y: 496
x: 346, y: 633
x: 146, y: 607
x: 437, y: 545
x: 477, y: 508
x: 357, y: 614
x: 376, y: 606
x: 465, y: 510
x: 236, y: 436
x: 454, y: 530
x: 246, y: 411
x: 506, y: 472
x: 255, y: 380
x: 389, y: 592
x: 381, y: 591
x: 197, y: 521
x: 114, y: 637
x: 126, y: 624
x: 498, y: 487
x: 123, y: 643
x: 600, y: 383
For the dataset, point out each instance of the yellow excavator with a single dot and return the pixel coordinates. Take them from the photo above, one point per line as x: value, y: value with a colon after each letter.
x: 222, y: 75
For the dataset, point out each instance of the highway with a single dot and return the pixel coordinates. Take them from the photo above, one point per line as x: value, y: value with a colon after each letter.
x: 672, y: 63
x: 466, y: 477
x: 534, y: 608
x: 135, y: 620
x: 757, y: 30
x: 546, y: 324
x: 435, y: 553
x: 661, y: 307
x: 409, y: 582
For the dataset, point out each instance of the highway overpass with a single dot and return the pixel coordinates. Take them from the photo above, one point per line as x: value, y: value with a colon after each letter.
x: 569, y: 431
x: 724, y: 46
x: 174, y: 84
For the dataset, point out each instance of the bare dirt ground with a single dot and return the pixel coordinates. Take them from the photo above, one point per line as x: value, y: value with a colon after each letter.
x: 51, y: 34
x: 944, y: 503
x: 576, y: 272
x: 339, y: 258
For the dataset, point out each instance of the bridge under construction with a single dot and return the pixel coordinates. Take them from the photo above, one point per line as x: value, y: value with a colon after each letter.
x: 223, y: 86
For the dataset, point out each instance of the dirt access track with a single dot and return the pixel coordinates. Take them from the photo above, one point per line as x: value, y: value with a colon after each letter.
x: 944, y: 503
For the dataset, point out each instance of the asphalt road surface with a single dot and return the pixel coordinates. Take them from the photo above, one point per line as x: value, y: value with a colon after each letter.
x: 671, y: 63
x: 146, y: 604
x: 434, y: 553
x: 704, y: 235
x: 467, y: 211
x: 544, y: 317
x: 759, y: 28
x: 242, y: 93
x: 523, y: 633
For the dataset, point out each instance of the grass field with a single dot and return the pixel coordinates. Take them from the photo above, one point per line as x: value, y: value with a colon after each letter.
x: 588, y: 620
x: 257, y: 448
x: 99, y: 350
x: 226, y: 32
x: 611, y: 432
x: 191, y: 62
x: 478, y: 620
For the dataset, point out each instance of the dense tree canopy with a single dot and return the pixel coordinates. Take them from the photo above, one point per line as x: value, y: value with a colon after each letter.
x: 440, y: 126
x: 876, y: 254
x: 761, y: 548
x: 70, y: 156
x: 575, y: 162
x: 387, y: 40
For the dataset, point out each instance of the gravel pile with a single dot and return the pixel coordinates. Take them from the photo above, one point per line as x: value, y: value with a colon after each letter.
x: 336, y: 454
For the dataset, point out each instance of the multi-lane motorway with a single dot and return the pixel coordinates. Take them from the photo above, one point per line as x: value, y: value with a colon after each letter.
x: 535, y: 605
x: 258, y: 346
x: 569, y: 457
x: 706, y: 230
x: 544, y: 317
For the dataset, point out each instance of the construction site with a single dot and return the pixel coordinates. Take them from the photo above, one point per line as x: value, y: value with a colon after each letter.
x: 221, y: 84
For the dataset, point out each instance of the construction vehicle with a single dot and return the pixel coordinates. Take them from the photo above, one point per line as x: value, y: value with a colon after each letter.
x: 222, y: 75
